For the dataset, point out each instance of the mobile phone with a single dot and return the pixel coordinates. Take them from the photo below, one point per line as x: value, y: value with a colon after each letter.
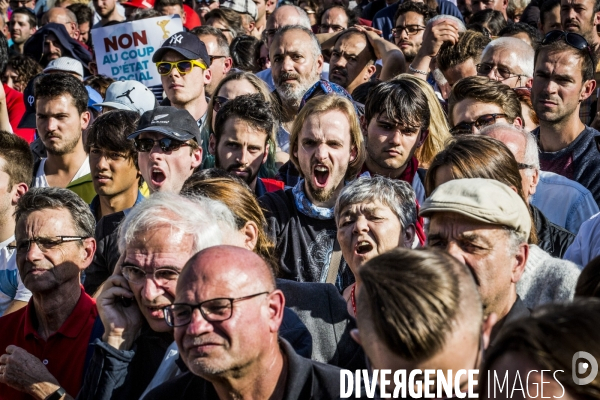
x: 125, y: 301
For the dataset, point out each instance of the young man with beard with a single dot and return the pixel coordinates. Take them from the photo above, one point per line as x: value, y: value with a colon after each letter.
x: 21, y: 26
x: 61, y: 116
x: 326, y: 146
x: 240, y: 142
x: 296, y: 63
x: 108, y: 11
x: 410, y: 22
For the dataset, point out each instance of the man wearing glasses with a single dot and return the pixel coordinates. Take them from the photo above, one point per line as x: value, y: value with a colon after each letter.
x: 508, y: 60
x: 167, y: 142
x: 411, y: 20
x: 218, y: 53
x: 226, y: 318
x: 336, y: 19
x: 477, y: 101
x: 183, y: 63
x: 45, y: 343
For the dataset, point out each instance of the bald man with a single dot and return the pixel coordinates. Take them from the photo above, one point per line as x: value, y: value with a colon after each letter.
x: 65, y: 17
x: 226, y: 317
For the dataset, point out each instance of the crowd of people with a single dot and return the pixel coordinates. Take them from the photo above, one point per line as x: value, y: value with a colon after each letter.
x: 315, y: 186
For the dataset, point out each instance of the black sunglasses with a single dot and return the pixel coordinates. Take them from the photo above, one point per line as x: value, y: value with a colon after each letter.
x: 572, y: 39
x: 218, y: 102
x: 467, y: 127
x: 166, y: 144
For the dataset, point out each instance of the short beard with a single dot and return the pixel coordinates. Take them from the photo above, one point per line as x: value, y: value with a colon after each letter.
x: 410, y: 56
x: 66, y: 149
x: 293, y: 94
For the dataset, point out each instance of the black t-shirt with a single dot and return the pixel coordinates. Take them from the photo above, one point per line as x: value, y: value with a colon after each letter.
x: 303, y: 244
x: 579, y: 161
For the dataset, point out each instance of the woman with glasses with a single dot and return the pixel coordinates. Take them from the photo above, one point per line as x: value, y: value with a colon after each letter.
x: 233, y: 85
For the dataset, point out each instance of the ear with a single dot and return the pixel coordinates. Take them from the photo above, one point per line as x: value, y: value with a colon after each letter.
x: 597, y: 18
x: 250, y: 230
x: 355, y: 333
x: 196, y: 157
x: 17, y: 192
x: 320, y: 62
x: 183, y: 16
x: 504, y: 4
x: 212, y: 144
x: 486, y: 329
x: 85, y: 119
x: 535, y: 179
x: 587, y: 89
x: 353, y: 153
x: 276, y: 306
x: 371, y: 69
x: 518, y: 122
x: 519, y: 263
x: 408, y: 236
x: 227, y: 64
x: 207, y: 76
x: 423, y: 137
x: 88, y: 249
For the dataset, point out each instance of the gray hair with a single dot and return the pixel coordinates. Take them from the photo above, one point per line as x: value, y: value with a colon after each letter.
x: 461, y: 26
x: 532, y: 154
x: 55, y: 198
x: 208, y: 221
x: 304, y: 20
x: 315, y: 47
x: 398, y: 195
x: 524, y: 52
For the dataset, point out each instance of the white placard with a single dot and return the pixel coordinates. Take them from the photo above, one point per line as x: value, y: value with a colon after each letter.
x: 124, y: 51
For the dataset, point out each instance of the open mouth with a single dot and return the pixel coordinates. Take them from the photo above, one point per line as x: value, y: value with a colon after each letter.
x: 363, y: 247
x: 157, y: 177
x: 321, y: 174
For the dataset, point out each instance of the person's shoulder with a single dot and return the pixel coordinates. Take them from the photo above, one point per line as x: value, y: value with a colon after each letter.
x: 277, y: 200
x: 12, y: 322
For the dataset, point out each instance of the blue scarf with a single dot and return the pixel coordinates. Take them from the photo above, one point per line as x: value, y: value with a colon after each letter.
x: 307, y: 208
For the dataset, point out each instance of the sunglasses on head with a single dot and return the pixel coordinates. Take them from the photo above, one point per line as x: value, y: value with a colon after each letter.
x: 572, y: 39
x: 144, y: 145
x: 183, y: 66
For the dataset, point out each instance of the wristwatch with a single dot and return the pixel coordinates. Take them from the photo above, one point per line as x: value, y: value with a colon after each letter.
x: 60, y: 392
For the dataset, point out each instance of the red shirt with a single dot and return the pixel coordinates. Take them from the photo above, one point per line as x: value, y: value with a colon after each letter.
x: 64, y: 352
x: 16, y: 109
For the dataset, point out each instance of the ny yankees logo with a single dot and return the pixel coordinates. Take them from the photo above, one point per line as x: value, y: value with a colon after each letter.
x: 126, y: 94
x: 176, y: 39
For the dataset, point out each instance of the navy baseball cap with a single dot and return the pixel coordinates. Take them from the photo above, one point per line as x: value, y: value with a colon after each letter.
x: 28, y: 119
x: 170, y: 121
x: 185, y: 43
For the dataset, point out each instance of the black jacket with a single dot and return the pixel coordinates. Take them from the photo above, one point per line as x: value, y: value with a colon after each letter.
x: 34, y: 47
x: 306, y: 379
x: 553, y: 239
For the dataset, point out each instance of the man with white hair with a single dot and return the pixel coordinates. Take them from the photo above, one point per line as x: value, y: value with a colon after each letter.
x: 508, y: 60
x: 156, y: 239
x: 545, y: 189
x: 296, y: 63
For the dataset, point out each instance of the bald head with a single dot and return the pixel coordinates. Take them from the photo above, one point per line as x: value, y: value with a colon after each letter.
x: 62, y: 16
x: 288, y: 15
x: 227, y: 263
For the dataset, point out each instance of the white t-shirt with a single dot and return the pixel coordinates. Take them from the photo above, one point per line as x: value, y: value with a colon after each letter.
x: 11, y: 286
x: 40, y: 175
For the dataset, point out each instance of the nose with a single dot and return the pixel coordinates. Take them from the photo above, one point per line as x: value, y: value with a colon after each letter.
x: 243, y: 156
x: 151, y: 290
x: 493, y: 74
x: 198, y: 325
x: 340, y: 62
x: 34, y: 253
x: 288, y: 64
x: 52, y: 124
x: 455, y: 251
x: 360, y: 225
x: 102, y: 163
x: 403, y: 34
x: 321, y: 153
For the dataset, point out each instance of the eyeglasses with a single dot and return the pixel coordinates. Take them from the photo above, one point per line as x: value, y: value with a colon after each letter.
x: 526, y: 166
x: 501, y: 72
x: 410, y: 30
x: 325, y: 27
x: 218, y: 102
x: 44, y: 243
x: 572, y: 39
x: 214, y: 310
x: 162, y: 276
x: 183, y: 66
x: 212, y: 58
x: 467, y: 127
x: 166, y: 144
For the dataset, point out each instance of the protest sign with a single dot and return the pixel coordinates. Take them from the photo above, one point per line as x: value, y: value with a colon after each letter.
x: 124, y: 51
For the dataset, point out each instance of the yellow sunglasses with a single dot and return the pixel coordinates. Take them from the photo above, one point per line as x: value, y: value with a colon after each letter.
x: 183, y: 66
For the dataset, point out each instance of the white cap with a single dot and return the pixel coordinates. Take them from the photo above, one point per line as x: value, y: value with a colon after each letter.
x: 129, y: 95
x: 242, y: 6
x: 65, y: 64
